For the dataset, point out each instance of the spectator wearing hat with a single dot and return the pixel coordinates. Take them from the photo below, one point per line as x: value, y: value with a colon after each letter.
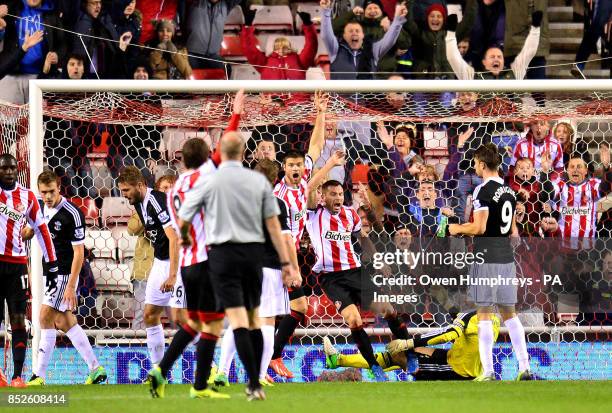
x: 375, y: 23
x: 168, y: 61
x: 429, y: 48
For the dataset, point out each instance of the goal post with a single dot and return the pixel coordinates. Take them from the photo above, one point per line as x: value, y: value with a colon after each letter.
x: 514, y: 101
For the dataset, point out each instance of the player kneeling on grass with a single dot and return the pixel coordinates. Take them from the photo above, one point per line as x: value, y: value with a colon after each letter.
x: 460, y: 362
x: 66, y: 224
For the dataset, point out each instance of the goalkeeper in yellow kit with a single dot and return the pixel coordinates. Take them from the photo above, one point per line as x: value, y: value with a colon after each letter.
x: 460, y: 362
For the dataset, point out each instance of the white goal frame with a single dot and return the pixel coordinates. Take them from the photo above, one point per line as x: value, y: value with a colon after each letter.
x: 36, y: 135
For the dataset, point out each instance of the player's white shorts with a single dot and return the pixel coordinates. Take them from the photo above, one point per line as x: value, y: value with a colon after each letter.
x: 54, y: 292
x: 153, y: 293
x: 274, y: 295
x: 494, y: 284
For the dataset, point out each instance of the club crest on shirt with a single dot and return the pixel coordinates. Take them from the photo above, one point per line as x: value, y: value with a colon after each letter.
x: 57, y: 226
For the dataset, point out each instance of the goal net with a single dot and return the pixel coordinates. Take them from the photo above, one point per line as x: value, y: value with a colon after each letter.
x: 409, y: 149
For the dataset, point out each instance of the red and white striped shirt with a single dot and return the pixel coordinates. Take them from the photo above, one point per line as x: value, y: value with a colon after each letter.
x: 16, y: 208
x: 295, y: 198
x: 577, y: 208
x: 526, y: 148
x: 197, y: 252
x: 331, y: 238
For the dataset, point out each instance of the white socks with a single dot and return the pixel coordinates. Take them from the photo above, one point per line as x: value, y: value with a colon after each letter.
x: 228, y: 351
x: 155, y: 343
x: 485, y: 345
x: 268, y: 349
x: 519, y: 344
x: 45, y: 350
x: 79, y: 340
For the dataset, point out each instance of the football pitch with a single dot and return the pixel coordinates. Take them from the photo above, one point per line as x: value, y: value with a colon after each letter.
x: 423, y: 397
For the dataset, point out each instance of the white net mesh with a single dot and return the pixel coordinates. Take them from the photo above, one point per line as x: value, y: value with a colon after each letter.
x: 392, y: 140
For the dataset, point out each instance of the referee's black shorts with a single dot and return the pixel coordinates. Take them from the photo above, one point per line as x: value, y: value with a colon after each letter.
x: 14, y: 286
x: 347, y: 287
x: 201, y: 302
x: 236, y: 274
x: 436, y: 367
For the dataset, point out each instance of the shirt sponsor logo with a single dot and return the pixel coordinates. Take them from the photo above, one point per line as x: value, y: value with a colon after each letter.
x: 338, y: 236
x: 299, y: 215
x: 10, y: 213
x: 584, y: 211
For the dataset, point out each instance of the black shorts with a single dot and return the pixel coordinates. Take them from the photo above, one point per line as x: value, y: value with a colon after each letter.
x: 436, y: 367
x: 347, y: 287
x: 14, y: 286
x: 236, y: 274
x: 201, y: 302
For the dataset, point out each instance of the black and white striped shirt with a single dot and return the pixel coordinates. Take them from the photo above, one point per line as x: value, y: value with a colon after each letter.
x: 153, y: 213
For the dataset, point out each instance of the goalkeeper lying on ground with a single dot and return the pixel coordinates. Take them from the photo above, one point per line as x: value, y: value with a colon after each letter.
x: 460, y: 362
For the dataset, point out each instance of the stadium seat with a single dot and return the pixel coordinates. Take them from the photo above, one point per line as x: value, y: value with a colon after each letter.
x: 116, y: 211
x: 273, y: 18
x: 208, y: 74
x: 321, y: 310
x: 126, y: 244
x: 88, y: 208
x: 235, y: 20
x: 360, y: 173
x: 231, y: 49
x: 245, y: 72
x: 174, y: 138
x: 102, y: 243
x: 315, y: 14
x: 117, y: 308
x: 297, y: 42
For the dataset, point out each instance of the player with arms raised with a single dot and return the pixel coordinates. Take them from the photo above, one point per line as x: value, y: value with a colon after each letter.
x: 66, y: 224
x: 494, y: 205
x: 152, y: 210
x: 18, y: 205
x: 292, y: 190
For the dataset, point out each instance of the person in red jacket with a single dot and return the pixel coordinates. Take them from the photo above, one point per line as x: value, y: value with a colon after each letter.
x: 284, y: 63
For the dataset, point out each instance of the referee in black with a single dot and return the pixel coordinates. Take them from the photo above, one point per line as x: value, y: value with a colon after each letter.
x: 237, y: 202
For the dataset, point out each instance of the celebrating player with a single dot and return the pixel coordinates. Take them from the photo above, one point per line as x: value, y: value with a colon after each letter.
x: 152, y: 210
x: 274, y: 296
x: 331, y: 227
x: 494, y: 205
x: 201, y: 302
x: 292, y: 190
x: 66, y: 224
x: 18, y: 205
x: 460, y: 362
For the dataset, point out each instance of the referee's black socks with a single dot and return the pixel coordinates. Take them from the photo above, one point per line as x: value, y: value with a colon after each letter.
x: 397, y: 326
x: 362, y: 340
x: 244, y: 347
x: 180, y: 341
x: 286, y: 327
x: 204, y: 356
x: 257, y: 340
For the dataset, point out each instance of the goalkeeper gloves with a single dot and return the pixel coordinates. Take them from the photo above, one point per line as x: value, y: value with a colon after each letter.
x: 536, y: 18
x: 398, y: 346
x: 451, y: 23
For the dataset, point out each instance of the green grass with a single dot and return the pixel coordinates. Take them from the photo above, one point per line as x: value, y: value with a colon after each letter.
x: 449, y: 397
